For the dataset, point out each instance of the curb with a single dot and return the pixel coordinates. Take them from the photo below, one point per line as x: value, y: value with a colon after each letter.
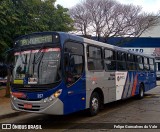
x: 11, y: 115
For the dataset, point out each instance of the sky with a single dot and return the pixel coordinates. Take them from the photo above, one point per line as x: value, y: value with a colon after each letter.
x: 147, y: 5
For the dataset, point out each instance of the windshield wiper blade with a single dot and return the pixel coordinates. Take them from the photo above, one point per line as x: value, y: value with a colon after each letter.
x: 38, y: 57
x: 21, y: 56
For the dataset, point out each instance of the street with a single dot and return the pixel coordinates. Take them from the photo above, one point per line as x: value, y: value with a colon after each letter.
x: 146, y: 110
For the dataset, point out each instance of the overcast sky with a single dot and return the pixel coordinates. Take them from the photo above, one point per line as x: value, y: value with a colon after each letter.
x: 148, y: 5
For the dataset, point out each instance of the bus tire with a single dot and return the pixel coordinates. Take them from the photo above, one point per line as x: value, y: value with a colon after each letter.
x: 141, y: 91
x: 94, y: 104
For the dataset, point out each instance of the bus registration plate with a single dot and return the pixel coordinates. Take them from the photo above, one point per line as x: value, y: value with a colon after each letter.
x: 28, y: 106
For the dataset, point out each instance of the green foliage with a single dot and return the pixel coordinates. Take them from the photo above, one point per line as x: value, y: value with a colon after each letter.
x: 20, y: 17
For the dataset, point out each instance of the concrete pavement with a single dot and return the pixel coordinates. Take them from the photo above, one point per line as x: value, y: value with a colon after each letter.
x: 5, y: 107
x: 2, y: 91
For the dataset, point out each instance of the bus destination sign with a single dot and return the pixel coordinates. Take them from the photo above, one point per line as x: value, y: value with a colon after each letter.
x: 36, y: 40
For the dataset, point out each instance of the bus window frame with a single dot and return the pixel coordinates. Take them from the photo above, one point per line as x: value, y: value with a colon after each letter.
x: 137, y: 62
x: 114, y: 60
x: 70, y: 54
x: 133, y: 61
x: 102, y: 57
x: 123, y: 61
x: 154, y: 69
x: 144, y: 57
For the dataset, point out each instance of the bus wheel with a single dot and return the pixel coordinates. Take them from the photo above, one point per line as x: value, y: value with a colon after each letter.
x: 94, y: 104
x: 141, y: 91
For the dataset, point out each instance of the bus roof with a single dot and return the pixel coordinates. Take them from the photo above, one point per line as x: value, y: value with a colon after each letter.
x: 85, y: 40
x: 97, y: 43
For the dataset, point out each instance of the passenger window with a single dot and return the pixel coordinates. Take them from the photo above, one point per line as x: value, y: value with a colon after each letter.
x: 131, y: 62
x: 95, y: 52
x: 95, y: 61
x: 121, y: 56
x: 151, y: 62
x: 110, y: 55
x: 145, y: 60
x: 110, y: 60
x: 121, y: 65
x: 76, y: 68
x: 139, y: 63
x: 146, y: 64
x: 121, y: 61
x: 73, y: 62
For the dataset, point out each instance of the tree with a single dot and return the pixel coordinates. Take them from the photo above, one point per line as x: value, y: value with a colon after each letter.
x: 20, y: 17
x: 108, y: 18
x: 8, y: 18
x: 81, y: 18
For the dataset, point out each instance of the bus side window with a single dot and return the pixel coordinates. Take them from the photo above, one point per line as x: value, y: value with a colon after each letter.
x: 95, y: 61
x: 109, y: 59
x: 131, y: 62
x: 73, y: 68
x: 139, y: 61
x: 76, y: 66
x: 73, y: 62
x: 151, y: 63
x: 146, y: 64
x: 121, y: 61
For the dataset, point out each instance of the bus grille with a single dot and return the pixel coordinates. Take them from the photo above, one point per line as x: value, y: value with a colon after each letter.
x: 34, y: 88
x: 34, y: 107
x: 31, y: 89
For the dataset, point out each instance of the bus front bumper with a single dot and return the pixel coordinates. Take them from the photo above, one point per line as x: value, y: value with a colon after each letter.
x: 54, y: 107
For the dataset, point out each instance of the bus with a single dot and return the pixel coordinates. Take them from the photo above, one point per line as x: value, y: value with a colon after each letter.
x: 148, y: 45
x: 59, y: 73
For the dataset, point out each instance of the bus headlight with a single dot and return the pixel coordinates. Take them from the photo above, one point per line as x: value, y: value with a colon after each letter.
x: 57, y: 93
x: 53, y: 96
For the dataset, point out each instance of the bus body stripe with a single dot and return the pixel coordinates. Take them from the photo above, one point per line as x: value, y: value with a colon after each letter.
x: 131, y: 85
x: 126, y: 86
x: 134, y: 85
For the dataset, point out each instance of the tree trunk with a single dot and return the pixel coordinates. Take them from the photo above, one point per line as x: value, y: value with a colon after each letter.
x: 98, y: 36
x: 8, y: 82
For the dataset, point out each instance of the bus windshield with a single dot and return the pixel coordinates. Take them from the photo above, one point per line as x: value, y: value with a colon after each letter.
x: 37, y: 66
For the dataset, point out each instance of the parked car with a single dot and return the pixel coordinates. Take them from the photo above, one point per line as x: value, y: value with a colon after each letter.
x: 3, y: 81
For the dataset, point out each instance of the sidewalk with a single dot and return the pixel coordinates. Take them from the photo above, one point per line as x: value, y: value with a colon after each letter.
x: 5, y: 107
x: 2, y: 91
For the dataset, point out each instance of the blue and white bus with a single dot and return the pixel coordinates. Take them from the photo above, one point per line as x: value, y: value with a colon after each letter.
x: 59, y: 73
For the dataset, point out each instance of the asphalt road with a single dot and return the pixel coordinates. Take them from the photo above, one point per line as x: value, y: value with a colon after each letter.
x: 146, y: 111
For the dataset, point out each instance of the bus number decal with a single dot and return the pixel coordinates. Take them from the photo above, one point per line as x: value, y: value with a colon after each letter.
x: 39, y: 96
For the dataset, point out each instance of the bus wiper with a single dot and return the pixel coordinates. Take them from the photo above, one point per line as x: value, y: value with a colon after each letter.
x: 38, y: 57
x: 24, y: 62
